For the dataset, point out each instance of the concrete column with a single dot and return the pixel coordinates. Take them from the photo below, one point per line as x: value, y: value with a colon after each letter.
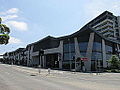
x: 77, y: 54
x: 77, y: 50
x: 31, y: 51
x: 104, y: 54
x: 61, y: 54
x: 118, y: 49
x: 43, y: 61
x: 89, y: 52
x: 28, y: 56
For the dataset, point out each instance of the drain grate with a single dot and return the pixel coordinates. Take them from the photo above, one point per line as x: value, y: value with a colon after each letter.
x: 32, y: 75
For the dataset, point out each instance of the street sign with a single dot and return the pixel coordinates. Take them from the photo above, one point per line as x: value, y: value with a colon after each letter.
x: 81, y: 59
x: 84, y: 59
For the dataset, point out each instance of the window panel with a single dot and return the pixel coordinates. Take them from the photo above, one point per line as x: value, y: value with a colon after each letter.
x: 83, y: 46
x: 97, y: 46
x: 69, y: 56
x: 108, y: 56
x: 108, y: 49
x: 83, y: 54
x: 96, y: 56
x: 69, y: 47
x: 66, y: 56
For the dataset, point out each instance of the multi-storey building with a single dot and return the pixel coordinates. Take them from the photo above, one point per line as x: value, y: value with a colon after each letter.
x: 14, y: 57
x: 107, y: 24
x: 88, y: 48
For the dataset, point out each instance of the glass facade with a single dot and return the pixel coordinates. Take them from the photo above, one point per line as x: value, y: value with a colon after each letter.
x: 109, y: 50
x: 69, y: 51
x: 97, y: 51
x: 96, y: 56
x: 83, y: 46
x: 69, y: 47
x: 97, y: 47
x: 83, y: 43
x: 83, y: 54
x: 68, y: 54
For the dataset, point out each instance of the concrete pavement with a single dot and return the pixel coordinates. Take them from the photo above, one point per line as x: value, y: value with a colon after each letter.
x: 24, y: 78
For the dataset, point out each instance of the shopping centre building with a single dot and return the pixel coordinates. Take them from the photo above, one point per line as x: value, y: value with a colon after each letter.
x: 87, y: 49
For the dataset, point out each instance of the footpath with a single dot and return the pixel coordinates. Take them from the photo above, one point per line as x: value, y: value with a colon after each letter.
x: 58, y: 73
x: 51, y: 71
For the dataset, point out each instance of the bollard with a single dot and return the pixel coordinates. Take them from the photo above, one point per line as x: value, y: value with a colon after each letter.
x: 48, y: 70
x: 39, y: 69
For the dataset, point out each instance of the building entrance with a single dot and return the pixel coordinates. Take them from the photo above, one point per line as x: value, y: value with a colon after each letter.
x: 52, y: 61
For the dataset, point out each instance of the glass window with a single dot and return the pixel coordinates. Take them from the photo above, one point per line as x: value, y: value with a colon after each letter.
x: 97, y: 46
x: 69, y: 47
x: 72, y: 55
x: 66, y: 56
x: 66, y: 47
x: 96, y: 56
x: 108, y: 56
x: 108, y: 49
x: 69, y: 56
x: 83, y: 54
x: 83, y: 46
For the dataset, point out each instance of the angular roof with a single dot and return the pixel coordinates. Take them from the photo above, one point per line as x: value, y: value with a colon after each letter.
x: 86, y: 28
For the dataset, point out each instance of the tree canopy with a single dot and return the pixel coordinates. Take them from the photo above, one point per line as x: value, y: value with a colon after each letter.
x: 114, y: 62
x: 4, y: 33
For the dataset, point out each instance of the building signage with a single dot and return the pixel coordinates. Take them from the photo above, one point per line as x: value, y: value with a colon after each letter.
x: 84, y: 59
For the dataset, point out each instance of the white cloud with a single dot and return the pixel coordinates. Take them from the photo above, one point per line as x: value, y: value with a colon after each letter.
x: 14, y: 40
x: 9, y: 17
x: 18, y: 25
x: 96, y: 7
x: 13, y: 10
x: 10, y: 11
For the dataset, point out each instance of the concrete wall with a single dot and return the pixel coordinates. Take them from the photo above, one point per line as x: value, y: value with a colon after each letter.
x: 58, y: 50
x: 29, y: 55
x: 35, y: 60
x: 77, y: 54
x: 33, y: 57
x: 89, y: 52
x: 104, y: 54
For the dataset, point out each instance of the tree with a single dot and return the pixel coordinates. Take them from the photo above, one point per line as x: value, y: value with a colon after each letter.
x: 114, y: 62
x: 4, y: 33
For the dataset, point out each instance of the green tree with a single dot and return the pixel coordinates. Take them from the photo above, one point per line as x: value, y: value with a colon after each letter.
x: 4, y: 33
x: 114, y: 62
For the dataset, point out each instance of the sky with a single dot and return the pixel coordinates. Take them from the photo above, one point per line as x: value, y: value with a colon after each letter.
x: 32, y: 20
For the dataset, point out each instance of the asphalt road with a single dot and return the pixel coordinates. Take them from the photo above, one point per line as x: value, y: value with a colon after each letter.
x: 17, y: 78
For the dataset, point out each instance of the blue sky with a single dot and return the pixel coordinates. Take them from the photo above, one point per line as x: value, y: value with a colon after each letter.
x: 32, y: 20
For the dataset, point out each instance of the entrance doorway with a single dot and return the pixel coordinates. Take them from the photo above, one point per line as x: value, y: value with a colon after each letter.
x: 52, y: 61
